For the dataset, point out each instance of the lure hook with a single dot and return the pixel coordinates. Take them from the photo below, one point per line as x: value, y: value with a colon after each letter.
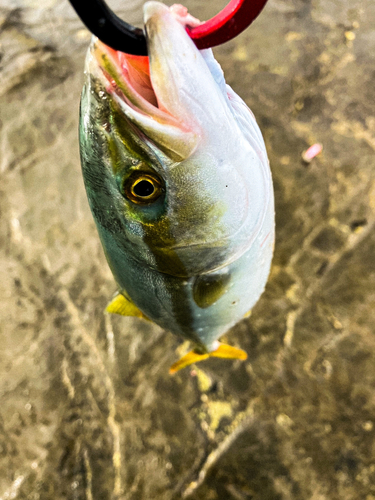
x: 119, y: 35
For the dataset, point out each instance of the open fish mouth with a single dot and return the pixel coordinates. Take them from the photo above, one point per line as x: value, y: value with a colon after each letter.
x: 170, y: 96
x: 128, y: 80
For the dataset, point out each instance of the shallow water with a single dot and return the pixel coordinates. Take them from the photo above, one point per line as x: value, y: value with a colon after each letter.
x: 88, y: 410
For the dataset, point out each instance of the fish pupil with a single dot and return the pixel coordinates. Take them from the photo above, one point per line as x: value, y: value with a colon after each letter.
x: 144, y: 188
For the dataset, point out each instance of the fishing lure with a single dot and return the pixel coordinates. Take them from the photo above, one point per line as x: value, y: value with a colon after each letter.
x: 179, y: 185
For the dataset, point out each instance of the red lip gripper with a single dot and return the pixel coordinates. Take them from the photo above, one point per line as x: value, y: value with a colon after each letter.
x: 119, y: 35
x: 229, y: 23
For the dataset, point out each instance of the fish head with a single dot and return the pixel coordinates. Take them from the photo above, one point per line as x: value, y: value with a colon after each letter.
x: 174, y: 175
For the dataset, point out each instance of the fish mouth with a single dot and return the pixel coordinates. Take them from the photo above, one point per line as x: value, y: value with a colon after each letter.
x: 127, y: 78
x: 170, y: 96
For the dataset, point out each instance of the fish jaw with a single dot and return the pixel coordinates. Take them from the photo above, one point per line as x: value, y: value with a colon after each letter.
x: 181, y: 79
x: 181, y: 107
x: 139, y: 103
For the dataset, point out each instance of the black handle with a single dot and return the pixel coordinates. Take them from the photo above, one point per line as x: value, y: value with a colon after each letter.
x: 109, y: 28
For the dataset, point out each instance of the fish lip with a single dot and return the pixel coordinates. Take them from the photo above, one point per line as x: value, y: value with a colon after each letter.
x: 100, y: 52
x: 156, y: 126
x: 123, y: 86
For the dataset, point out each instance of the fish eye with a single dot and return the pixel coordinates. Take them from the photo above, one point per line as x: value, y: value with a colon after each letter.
x: 142, y: 188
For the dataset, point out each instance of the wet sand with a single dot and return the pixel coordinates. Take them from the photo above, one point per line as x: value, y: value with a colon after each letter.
x: 87, y: 408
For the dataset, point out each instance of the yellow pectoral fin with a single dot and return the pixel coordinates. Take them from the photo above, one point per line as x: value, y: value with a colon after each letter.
x: 125, y: 307
x: 223, y: 351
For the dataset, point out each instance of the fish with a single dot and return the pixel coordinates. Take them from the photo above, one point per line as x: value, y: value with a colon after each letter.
x: 179, y: 185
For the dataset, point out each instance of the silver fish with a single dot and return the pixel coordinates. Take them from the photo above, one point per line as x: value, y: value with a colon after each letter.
x: 179, y: 185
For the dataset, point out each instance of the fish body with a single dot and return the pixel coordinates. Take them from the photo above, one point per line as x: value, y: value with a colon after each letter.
x: 178, y: 182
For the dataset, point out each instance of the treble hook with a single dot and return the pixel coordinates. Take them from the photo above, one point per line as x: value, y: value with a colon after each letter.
x: 119, y: 35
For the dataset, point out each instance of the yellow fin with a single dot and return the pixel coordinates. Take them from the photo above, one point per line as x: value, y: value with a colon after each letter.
x: 125, y: 307
x: 228, y: 352
x: 189, y: 358
x: 223, y: 351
